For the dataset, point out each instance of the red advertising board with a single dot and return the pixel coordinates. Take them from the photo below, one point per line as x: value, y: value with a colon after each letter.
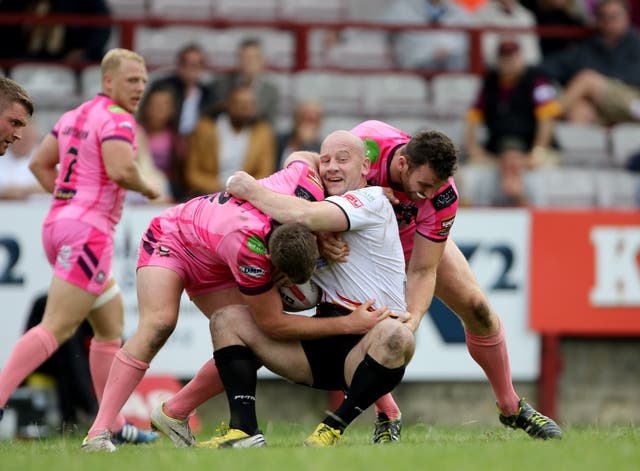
x: 585, y: 273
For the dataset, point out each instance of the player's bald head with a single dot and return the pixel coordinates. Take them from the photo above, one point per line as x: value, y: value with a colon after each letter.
x: 342, y: 138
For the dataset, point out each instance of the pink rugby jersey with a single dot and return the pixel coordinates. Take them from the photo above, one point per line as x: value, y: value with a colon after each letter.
x: 431, y: 218
x: 83, y: 191
x: 229, y: 235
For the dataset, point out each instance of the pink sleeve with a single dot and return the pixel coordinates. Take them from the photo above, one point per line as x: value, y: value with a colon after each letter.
x: 250, y: 266
x: 119, y: 126
x: 436, y: 216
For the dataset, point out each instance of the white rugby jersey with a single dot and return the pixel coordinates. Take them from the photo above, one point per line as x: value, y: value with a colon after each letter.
x: 375, y: 268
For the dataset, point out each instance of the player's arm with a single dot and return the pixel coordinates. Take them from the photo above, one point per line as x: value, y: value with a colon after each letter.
x: 317, y: 216
x: 421, y: 277
x: 44, y: 161
x: 266, y: 309
x: 121, y: 167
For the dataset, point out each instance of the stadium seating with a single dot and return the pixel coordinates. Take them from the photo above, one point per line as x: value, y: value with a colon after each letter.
x: 50, y: 85
x: 313, y: 10
x: 583, y: 144
x: 617, y: 189
x: 90, y: 82
x: 453, y: 93
x: 197, y: 9
x: 365, y: 10
x: 264, y: 10
x: 625, y: 140
x: 127, y: 8
x: 339, y: 93
x: 159, y: 46
x: 563, y: 187
x: 359, y: 49
x: 334, y: 122
x: 395, y: 93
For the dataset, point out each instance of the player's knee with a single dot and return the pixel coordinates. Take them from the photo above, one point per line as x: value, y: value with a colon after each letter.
x: 397, y: 339
x: 479, y: 311
x: 222, y: 319
x: 162, y: 330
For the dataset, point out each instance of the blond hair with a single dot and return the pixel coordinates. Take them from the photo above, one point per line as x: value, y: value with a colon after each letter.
x: 114, y: 57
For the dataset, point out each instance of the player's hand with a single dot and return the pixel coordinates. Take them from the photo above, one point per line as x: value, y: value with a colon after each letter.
x: 364, y: 318
x: 388, y: 192
x: 332, y: 247
x: 405, y: 317
x: 151, y: 192
x: 279, y: 278
x: 240, y: 185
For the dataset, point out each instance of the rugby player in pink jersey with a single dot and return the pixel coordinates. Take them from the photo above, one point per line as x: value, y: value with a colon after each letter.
x: 15, y: 110
x: 426, y: 201
x: 365, y: 366
x: 221, y: 251
x: 87, y: 163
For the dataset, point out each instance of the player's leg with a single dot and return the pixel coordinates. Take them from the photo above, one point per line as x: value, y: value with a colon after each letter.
x: 240, y: 347
x: 171, y: 417
x: 372, y: 368
x: 457, y: 287
x: 67, y: 306
x: 159, y: 291
x: 107, y: 320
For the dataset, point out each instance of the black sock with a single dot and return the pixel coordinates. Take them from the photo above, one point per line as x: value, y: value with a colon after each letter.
x: 370, y: 381
x: 237, y: 367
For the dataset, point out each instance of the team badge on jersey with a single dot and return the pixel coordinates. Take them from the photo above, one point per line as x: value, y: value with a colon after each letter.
x: 372, y: 150
x: 117, y: 109
x: 353, y: 199
x: 314, y: 178
x: 252, y: 271
x: 445, y: 226
x: 302, y: 192
x: 256, y: 245
x: 444, y: 199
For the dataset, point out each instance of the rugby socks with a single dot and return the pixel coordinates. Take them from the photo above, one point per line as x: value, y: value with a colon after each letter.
x: 125, y: 374
x: 205, y: 384
x: 387, y: 405
x: 31, y: 351
x: 237, y: 368
x: 370, y: 381
x: 490, y: 352
x: 101, y: 356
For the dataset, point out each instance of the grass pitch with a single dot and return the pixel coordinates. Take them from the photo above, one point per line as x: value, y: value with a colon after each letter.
x: 422, y: 448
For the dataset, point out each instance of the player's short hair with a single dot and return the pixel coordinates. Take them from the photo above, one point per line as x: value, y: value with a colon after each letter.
x: 294, y: 251
x: 11, y: 92
x: 434, y: 148
x: 114, y: 57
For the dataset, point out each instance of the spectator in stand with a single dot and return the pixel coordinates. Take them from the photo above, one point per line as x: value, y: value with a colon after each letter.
x: 157, y: 136
x: 305, y: 133
x: 193, y: 98
x: 233, y: 140
x: 556, y: 13
x: 518, y: 106
x: 508, y: 14
x: 250, y: 71
x: 16, y: 180
x: 436, y: 50
x: 600, y: 74
x: 74, y: 43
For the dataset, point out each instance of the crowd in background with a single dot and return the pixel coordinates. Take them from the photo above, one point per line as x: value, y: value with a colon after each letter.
x: 197, y: 131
